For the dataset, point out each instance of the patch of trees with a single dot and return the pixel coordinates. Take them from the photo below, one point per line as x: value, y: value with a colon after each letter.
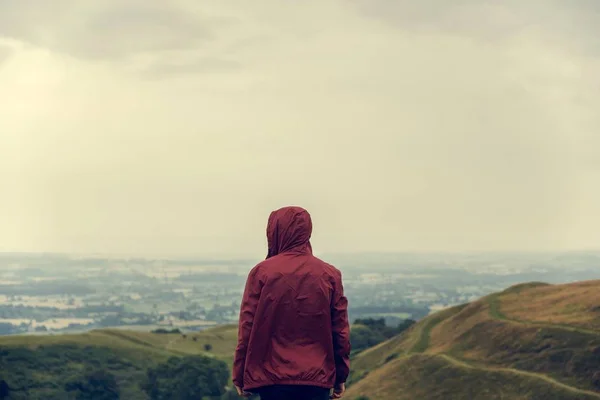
x: 369, y: 332
x: 193, y: 377
x: 93, y: 385
x: 61, y: 371
x: 70, y: 371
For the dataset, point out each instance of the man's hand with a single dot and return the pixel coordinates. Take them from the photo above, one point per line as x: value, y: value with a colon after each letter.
x: 241, y: 392
x: 338, y: 391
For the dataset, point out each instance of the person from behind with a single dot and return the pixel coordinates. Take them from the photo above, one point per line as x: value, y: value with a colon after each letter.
x: 294, y: 336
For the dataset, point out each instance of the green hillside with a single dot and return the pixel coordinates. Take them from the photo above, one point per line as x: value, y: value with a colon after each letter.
x: 41, y: 367
x: 533, y: 341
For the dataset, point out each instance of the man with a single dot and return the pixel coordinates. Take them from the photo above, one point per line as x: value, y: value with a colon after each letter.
x: 293, y: 340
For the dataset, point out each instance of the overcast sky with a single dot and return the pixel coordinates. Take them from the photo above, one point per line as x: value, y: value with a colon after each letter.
x: 174, y: 128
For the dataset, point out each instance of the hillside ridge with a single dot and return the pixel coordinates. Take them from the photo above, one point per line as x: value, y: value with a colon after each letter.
x: 481, y: 336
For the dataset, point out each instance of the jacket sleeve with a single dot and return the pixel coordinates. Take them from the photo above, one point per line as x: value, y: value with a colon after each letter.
x: 247, y: 311
x: 341, y: 331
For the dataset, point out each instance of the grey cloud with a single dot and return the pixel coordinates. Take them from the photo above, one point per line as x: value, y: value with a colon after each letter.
x: 201, y: 65
x: 459, y: 16
x: 110, y: 30
x: 121, y: 31
x: 28, y: 19
x: 577, y: 22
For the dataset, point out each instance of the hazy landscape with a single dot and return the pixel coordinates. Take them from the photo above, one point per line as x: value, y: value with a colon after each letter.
x: 447, y: 152
x: 435, y: 326
x: 51, y: 293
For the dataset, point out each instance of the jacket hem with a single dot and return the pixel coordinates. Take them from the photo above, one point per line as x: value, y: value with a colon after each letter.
x: 255, y: 386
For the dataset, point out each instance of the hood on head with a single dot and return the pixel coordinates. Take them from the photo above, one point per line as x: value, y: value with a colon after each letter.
x: 289, y: 228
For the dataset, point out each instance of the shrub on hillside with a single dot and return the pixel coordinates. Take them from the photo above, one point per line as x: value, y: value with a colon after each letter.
x: 162, y: 331
x: 94, y: 385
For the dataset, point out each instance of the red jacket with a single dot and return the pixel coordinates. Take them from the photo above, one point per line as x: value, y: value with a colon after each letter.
x: 293, y: 326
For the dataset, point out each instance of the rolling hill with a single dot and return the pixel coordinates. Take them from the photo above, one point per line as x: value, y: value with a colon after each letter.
x: 38, y: 367
x: 532, y: 341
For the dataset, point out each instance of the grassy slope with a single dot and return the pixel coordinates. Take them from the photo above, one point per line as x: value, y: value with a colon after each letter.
x: 143, y: 345
x: 575, y: 306
x: 127, y: 354
x: 431, y: 376
x: 497, y: 348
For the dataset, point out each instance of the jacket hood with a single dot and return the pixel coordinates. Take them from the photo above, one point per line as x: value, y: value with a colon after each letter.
x: 289, y: 229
